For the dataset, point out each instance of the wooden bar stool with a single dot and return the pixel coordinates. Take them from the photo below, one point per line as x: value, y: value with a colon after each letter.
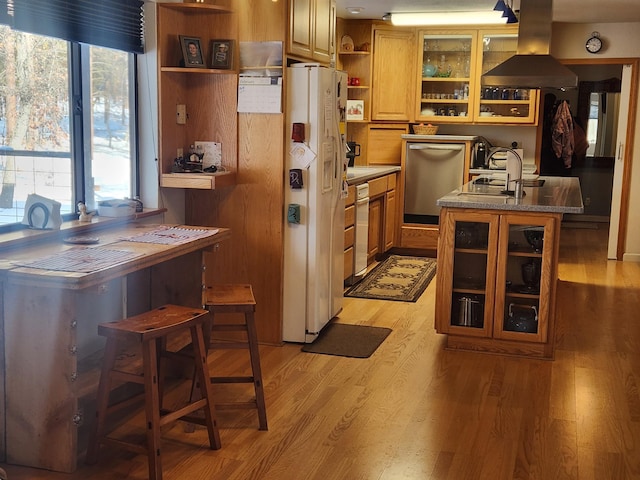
x: 151, y: 330
x: 238, y: 299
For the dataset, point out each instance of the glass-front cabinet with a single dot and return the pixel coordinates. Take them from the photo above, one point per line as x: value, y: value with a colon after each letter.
x: 450, y: 67
x: 523, y: 275
x: 471, y: 265
x: 445, y: 77
x: 497, y: 104
x: 494, y: 286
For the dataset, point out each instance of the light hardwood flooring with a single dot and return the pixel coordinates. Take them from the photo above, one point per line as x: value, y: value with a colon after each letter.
x: 416, y: 411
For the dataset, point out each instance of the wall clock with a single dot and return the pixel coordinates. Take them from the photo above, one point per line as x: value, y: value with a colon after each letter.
x: 594, y: 43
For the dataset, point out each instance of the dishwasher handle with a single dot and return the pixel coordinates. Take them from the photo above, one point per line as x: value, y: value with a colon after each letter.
x: 440, y: 146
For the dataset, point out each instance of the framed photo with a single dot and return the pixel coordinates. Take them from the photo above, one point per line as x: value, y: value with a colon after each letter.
x: 191, y: 51
x: 355, y: 110
x: 221, y: 54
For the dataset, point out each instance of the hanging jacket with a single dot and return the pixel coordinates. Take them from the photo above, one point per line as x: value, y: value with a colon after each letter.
x: 562, y: 134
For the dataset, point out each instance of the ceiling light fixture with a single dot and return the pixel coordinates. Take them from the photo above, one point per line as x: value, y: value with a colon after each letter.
x: 506, y: 11
x: 448, y: 18
x: 355, y: 10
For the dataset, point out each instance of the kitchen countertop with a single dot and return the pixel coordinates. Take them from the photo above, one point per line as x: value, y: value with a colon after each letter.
x: 557, y: 195
x: 357, y: 175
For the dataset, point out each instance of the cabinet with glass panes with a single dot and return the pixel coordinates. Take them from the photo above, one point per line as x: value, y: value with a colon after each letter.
x: 495, y: 288
x: 501, y: 104
x: 445, y: 76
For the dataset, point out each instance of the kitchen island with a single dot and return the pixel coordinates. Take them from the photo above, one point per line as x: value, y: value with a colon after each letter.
x: 498, y: 265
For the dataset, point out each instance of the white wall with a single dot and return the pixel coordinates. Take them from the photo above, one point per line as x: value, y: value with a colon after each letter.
x: 621, y: 40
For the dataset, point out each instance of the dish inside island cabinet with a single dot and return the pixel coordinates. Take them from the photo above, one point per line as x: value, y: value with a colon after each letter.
x: 496, y: 284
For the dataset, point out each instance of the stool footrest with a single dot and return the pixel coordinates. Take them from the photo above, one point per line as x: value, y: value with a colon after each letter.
x: 229, y: 327
x: 125, y: 403
x: 228, y: 346
x: 236, y: 405
x: 172, y: 415
x: 232, y: 380
x: 127, y: 377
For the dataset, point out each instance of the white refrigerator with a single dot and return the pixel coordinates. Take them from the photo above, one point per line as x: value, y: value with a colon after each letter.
x: 314, y: 239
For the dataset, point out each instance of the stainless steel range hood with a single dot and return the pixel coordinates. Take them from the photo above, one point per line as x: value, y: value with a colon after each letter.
x: 532, y: 66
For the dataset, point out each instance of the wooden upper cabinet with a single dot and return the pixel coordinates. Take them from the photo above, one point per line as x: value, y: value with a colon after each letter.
x: 311, y: 29
x: 393, y: 71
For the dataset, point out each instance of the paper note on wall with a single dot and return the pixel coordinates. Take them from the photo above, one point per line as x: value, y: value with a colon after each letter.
x: 301, y: 155
x: 260, y: 95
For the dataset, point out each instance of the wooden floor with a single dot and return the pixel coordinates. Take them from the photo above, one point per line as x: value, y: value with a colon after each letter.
x: 415, y: 411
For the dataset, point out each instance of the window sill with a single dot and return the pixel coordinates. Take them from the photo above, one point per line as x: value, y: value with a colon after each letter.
x: 21, y: 238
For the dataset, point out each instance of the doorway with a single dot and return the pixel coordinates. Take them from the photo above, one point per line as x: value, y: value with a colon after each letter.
x: 595, y: 108
x: 605, y: 171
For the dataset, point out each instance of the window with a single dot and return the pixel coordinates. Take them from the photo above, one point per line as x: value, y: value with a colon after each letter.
x: 67, y: 118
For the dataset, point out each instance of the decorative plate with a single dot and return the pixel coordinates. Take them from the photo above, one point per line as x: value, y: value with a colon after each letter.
x: 346, y: 44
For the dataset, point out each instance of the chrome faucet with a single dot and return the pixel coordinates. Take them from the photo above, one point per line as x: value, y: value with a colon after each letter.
x: 517, y: 191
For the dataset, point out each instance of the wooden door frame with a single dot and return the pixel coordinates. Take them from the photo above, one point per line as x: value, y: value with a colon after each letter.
x: 631, y: 125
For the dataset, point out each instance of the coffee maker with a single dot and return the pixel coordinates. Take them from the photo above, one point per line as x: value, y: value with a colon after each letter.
x: 352, y: 152
x: 480, y: 154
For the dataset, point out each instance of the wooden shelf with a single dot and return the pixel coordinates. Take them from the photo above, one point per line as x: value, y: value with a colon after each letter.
x: 355, y: 52
x: 446, y: 79
x: 201, y: 181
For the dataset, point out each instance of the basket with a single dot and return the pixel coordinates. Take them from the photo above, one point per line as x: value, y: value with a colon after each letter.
x: 425, y: 129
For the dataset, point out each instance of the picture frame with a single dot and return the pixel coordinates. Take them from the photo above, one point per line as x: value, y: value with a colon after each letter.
x: 221, y: 54
x: 192, y: 55
x: 355, y: 110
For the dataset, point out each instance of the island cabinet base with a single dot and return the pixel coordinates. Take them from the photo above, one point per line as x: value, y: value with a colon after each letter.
x: 500, y: 347
x: 496, y: 283
x: 419, y: 236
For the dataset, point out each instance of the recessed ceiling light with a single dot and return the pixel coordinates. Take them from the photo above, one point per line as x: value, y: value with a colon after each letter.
x: 355, y: 10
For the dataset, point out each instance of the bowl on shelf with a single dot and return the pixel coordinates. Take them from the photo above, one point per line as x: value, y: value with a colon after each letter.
x: 429, y: 70
x: 486, y: 114
x: 535, y: 238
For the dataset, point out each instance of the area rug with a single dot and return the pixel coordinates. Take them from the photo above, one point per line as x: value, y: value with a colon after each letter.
x: 396, y: 278
x: 344, y: 340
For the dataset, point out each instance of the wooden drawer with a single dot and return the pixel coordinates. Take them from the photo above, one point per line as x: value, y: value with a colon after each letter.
x: 349, y: 236
x: 349, y: 216
x: 351, y: 196
x: 378, y: 186
x: 348, y: 263
x: 419, y: 237
x: 391, y: 182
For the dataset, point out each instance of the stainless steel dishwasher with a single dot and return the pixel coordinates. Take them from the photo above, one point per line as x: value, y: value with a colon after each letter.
x: 431, y: 171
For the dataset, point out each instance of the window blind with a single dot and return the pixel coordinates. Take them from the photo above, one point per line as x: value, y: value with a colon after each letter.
x: 107, y: 23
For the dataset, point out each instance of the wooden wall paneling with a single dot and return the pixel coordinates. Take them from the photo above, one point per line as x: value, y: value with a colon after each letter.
x: 253, y: 208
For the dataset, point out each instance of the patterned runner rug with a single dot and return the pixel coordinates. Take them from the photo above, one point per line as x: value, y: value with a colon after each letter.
x: 396, y: 278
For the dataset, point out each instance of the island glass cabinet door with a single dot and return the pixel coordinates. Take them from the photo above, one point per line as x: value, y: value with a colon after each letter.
x: 467, y: 273
x: 524, y: 290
